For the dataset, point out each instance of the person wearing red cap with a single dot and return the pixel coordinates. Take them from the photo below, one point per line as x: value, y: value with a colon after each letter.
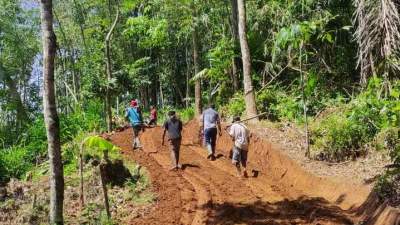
x: 134, y: 115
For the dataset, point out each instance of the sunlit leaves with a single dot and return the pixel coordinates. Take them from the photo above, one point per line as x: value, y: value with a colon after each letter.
x: 149, y: 32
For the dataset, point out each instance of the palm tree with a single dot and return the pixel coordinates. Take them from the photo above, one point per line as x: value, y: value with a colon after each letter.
x: 378, y: 37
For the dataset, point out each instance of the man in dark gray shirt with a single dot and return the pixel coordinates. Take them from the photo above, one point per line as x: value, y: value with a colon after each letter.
x: 210, y: 121
x: 174, y: 127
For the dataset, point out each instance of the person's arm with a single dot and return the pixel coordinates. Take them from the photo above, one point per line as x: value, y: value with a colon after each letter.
x: 127, y: 114
x: 219, y: 126
x: 140, y: 115
x: 201, y: 125
x: 231, y: 133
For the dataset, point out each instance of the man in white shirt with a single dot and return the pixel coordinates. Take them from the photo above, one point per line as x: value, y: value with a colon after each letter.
x: 241, y: 137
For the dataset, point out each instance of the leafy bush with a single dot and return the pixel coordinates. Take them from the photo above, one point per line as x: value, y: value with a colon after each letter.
x: 338, y: 137
x: 236, y: 106
x: 14, y: 162
x: 186, y: 114
x: 17, y: 160
x: 388, y: 187
x: 345, y: 131
x: 279, y: 105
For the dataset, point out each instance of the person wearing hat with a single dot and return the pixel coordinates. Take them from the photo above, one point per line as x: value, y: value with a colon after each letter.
x: 134, y: 115
x: 174, y: 127
x: 240, y: 135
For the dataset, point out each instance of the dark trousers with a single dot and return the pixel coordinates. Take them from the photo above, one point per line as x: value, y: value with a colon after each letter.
x: 210, y: 137
x: 175, y: 145
x: 136, y: 141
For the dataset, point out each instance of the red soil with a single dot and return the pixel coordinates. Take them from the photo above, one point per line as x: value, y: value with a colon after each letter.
x: 208, y: 192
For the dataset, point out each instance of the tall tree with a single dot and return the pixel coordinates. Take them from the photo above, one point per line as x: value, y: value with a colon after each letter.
x: 109, y: 72
x: 196, y: 62
x: 50, y: 114
x: 249, y: 96
x: 235, y: 37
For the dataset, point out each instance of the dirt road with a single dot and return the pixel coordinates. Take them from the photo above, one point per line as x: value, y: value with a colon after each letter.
x: 208, y: 192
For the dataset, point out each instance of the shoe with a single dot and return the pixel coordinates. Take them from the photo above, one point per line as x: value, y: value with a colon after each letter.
x: 245, y: 174
x: 179, y: 166
x: 213, y: 158
x: 173, y: 168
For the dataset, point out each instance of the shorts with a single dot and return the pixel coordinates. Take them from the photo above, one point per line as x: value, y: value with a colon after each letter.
x: 239, y: 156
x: 136, y: 129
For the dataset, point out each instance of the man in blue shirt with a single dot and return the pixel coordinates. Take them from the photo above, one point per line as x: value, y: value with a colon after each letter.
x: 134, y: 115
x: 210, y: 121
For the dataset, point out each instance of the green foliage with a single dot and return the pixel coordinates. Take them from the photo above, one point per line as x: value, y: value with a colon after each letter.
x: 96, y: 146
x: 280, y: 105
x: 339, y: 137
x: 185, y: 114
x: 150, y: 32
x: 344, y: 132
x: 19, y: 159
x: 388, y: 187
x: 14, y: 162
x: 236, y: 106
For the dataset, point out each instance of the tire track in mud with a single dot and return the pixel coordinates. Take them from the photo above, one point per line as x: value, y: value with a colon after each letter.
x: 208, y: 192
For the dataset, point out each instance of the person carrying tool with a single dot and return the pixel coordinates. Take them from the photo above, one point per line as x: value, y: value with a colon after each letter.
x: 211, y: 125
x: 174, y: 127
x: 134, y: 115
x: 241, y: 137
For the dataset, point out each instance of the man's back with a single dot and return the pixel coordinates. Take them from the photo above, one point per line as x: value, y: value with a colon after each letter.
x: 210, y: 118
x: 134, y: 115
x: 240, y: 133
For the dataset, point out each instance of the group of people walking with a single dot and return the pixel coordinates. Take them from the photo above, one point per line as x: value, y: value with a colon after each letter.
x: 210, y: 127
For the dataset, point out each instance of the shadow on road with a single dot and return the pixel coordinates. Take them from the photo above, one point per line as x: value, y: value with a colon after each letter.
x: 299, y: 211
x: 188, y: 165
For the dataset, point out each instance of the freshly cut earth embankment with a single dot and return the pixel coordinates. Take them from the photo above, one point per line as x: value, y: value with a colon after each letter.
x: 279, y: 191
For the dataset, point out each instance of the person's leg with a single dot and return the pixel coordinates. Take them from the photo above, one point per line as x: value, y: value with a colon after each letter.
x: 244, y: 162
x: 207, y: 139
x: 173, y: 154
x: 236, y: 159
x: 137, y: 140
x: 213, y: 140
x: 134, y: 137
x: 177, y: 151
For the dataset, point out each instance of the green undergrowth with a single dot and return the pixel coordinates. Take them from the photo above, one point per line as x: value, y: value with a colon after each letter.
x: 366, y: 122
x: 31, y: 150
x: 127, y: 198
x: 340, y: 128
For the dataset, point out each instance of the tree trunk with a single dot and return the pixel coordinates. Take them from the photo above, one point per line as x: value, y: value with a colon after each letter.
x: 22, y: 115
x: 187, y: 91
x: 249, y: 96
x: 50, y: 115
x: 196, y: 62
x: 109, y: 73
x: 81, y: 195
x: 104, y: 187
x: 235, y: 36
